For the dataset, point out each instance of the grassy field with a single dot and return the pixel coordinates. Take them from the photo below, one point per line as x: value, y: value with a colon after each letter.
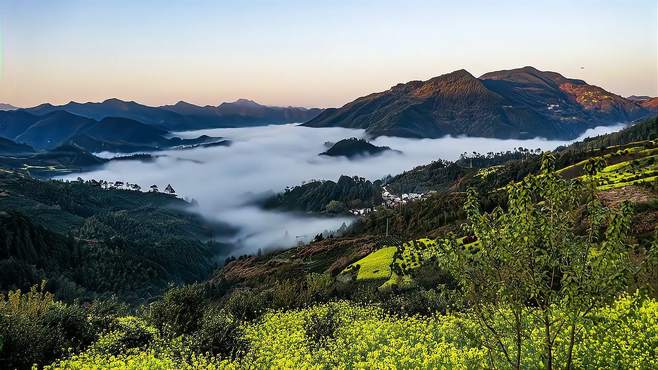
x: 408, y: 256
x: 376, y: 265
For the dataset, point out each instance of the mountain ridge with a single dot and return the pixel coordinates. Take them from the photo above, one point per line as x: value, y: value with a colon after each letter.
x: 518, y: 103
x: 60, y: 127
x: 184, y: 116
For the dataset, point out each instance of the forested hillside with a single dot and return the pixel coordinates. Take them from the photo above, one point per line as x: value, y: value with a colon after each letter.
x: 86, y: 240
x: 328, y: 196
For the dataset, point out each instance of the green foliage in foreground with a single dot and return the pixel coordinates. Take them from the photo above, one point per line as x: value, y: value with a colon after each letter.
x: 622, y: 335
x: 535, y: 258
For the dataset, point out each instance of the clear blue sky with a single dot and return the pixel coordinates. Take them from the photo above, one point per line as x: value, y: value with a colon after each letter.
x: 310, y: 53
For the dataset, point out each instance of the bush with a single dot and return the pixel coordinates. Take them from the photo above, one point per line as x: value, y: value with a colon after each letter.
x: 246, y: 304
x: 126, y: 333
x: 418, y: 301
x: 318, y: 287
x: 35, y: 329
x: 179, y: 311
x: 285, y: 294
x: 102, y: 313
x: 219, y: 334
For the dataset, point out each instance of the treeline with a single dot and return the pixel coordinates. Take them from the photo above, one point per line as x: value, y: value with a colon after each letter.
x: 328, y: 196
x: 644, y: 130
x: 443, y: 175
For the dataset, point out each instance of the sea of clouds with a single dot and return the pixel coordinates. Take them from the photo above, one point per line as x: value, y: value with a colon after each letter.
x: 226, y: 180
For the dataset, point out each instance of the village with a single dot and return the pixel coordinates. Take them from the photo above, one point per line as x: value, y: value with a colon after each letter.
x: 391, y: 200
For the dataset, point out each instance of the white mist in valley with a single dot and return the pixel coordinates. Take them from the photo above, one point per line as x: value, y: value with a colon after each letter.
x: 226, y: 180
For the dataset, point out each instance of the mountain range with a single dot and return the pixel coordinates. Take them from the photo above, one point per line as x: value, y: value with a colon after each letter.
x: 517, y: 103
x: 57, y: 128
x: 242, y: 112
x: 185, y: 116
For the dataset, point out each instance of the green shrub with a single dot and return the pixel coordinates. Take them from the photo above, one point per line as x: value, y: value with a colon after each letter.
x: 179, y: 311
x: 285, y: 294
x: 219, y: 334
x: 318, y: 287
x: 126, y: 333
x: 35, y: 329
x: 102, y: 313
x: 246, y: 304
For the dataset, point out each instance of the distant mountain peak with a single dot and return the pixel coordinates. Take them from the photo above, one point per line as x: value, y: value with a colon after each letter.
x: 113, y: 100
x: 460, y: 73
x: 5, y: 106
x: 182, y: 103
x: 245, y: 103
x: 639, y: 98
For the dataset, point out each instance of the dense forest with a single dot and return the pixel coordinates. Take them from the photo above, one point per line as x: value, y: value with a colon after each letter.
x: 86, y: 241
x: 329, y: 196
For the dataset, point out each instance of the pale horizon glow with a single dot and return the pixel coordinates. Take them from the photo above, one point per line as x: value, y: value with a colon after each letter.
x: 313, y: 54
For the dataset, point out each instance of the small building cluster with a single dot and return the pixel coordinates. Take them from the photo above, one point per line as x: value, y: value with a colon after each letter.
x: 361, y: 211
x: 391, y: 200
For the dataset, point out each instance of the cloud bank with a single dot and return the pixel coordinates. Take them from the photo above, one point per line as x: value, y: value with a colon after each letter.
x: 224, y: 180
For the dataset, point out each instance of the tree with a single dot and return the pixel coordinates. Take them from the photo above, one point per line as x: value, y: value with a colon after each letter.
x: 536, y: 267
x: 335, y: 206
x: 169, y: 189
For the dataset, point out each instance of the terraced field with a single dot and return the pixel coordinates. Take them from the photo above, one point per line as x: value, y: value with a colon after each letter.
x: 376, y: 265
x: 642, y: 169
x: 394, y: 265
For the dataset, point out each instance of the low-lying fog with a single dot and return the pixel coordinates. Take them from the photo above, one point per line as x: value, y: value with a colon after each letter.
x: 262, y: 159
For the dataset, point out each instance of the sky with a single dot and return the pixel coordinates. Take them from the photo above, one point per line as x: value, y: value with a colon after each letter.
x: 309, y: 53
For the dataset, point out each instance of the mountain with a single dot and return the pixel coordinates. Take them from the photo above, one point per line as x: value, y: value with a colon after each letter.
x: 650, y: 104
x: 328, y: 196
x: 242, y: 112
x: 53, y: 130
x: 124, y: 242
x: 9, y: 147
x: 13, y: 123
x: 638, y: 98
x: 4, y: 106
x: 184, y: 116
x: 67, y: 156
x: 119, y: 108
x: 354, y: 147
x: 562, y: 98
x: 519, y: 103
x: 114, y: 134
